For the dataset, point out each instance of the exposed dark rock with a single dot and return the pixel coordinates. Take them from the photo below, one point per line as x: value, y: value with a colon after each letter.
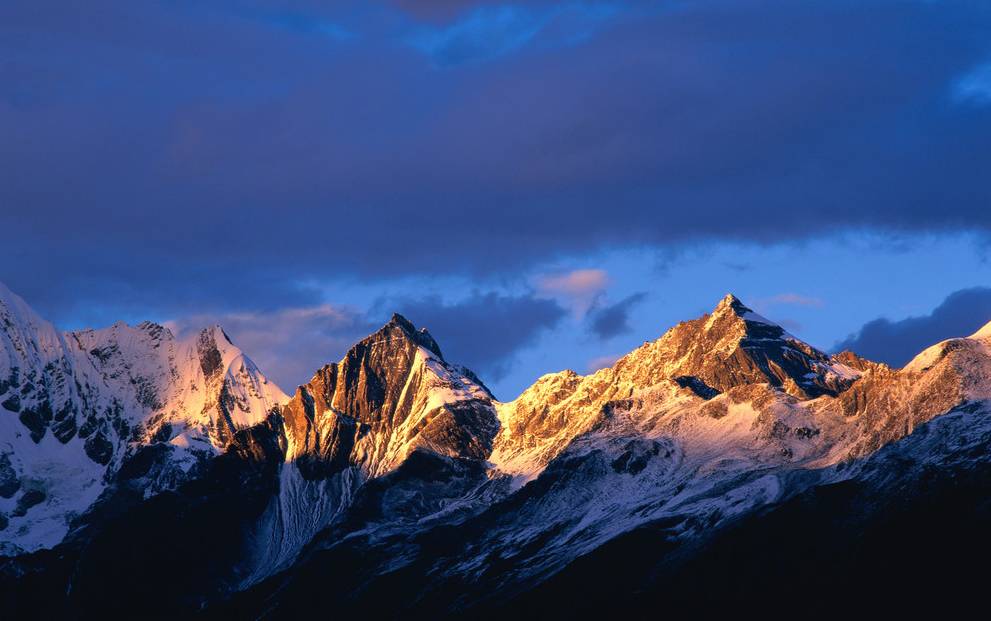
x: 27, y: 500
x: 156, y: 331
x: 617, y: 405
x: 163, y: 433
x: 15, y: 377
x: 104, y: 354
x: 91, y: 424
x: 120, y: 425
x: 697, y: 386
x: 141, y: 462
x: 210, y: 358
x: 12, y: 403
x: 146, y: 393
x: 9, y: 483
x: 36, y: 419
x: 636, y: 456
x: 64, y: 426
x: 99, y: 448
x: 226, y: 405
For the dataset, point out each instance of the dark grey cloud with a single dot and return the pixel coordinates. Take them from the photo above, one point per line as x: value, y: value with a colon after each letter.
x: 896, y: 342
x: 614, y: 319
x: 485, y: 331
x: 180, y: 155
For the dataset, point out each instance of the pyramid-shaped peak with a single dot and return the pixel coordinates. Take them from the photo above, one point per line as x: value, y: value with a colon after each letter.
x: 733, y: 346
x: 400, y: 321
x: 731, y: 305
x: 400, y: 326
x: 731, y: 302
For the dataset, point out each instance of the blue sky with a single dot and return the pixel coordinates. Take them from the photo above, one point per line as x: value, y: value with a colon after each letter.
x: 543, y: 184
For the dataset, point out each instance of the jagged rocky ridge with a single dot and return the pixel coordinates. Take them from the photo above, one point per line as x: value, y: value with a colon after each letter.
x: 394, y: 484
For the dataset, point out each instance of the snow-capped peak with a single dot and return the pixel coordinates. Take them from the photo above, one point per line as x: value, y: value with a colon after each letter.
x: 983, y: 334
x: 74, y: 406
x: 977, y: 343
x: 732, y: 305
x: 399, y: 325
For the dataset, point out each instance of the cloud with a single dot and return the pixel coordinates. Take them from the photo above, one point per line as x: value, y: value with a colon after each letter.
x: 577, y: 283
x: 613, y: 320
x: 579, y: 289
x: 287, y: 344
x: 484, y: 331
x: 896, y: 342
x: 173, y: 155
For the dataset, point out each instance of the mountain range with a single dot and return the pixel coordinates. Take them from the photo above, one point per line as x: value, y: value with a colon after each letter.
x: 725, y: 466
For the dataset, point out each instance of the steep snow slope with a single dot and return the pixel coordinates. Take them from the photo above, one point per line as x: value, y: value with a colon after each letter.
x: 45, y: 477
x: 74, y: 406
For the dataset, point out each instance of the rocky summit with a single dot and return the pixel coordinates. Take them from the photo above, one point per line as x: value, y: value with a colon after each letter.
x: 725, y: 466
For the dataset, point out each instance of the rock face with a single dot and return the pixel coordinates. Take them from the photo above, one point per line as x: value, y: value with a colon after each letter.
x: 733, y: 346
x: 393, y: 484
x: 391, y: 401
x: 392, y: 394
x: 731, y: 353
